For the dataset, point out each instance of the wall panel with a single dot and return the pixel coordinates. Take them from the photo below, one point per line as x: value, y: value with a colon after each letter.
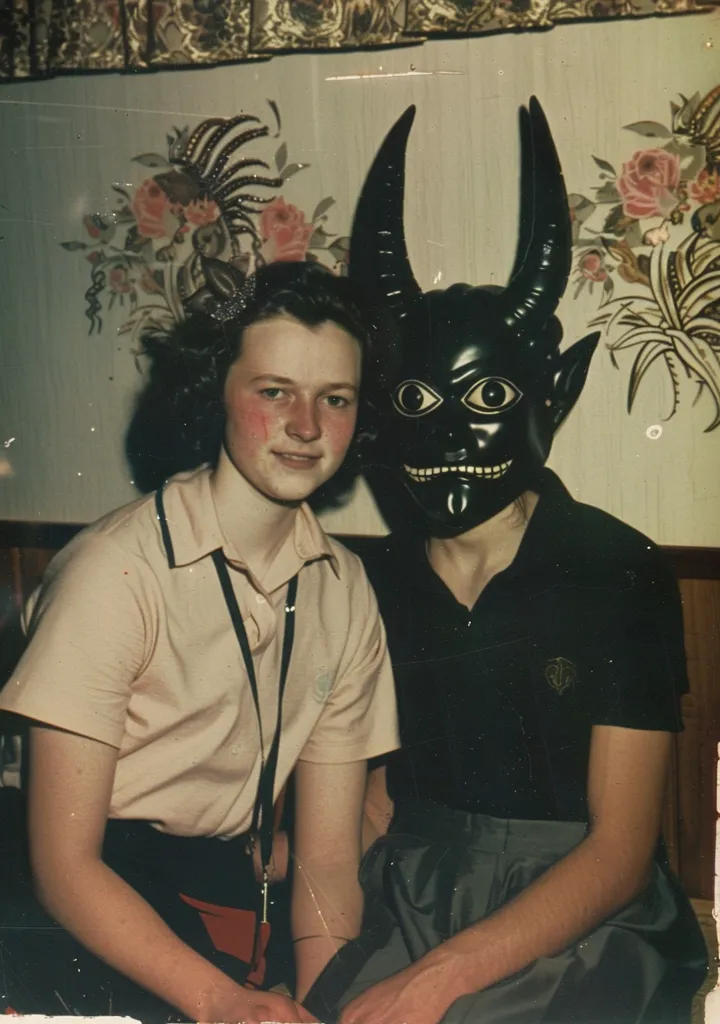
x: 65, y: 395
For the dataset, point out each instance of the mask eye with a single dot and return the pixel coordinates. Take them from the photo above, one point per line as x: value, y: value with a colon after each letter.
x: 492, y: 394
x: 412, y: 398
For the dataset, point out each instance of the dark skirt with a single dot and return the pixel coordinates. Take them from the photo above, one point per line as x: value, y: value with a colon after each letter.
x: 205, y: 891
x: 439, y: 871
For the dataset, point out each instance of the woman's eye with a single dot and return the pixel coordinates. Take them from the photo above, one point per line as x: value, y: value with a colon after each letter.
x: 492, y: 394
x: 412, y: 398
x: 272, y: 393
x: 337, y: 401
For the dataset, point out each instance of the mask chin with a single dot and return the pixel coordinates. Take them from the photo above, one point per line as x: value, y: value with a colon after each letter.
x: 452, y: 507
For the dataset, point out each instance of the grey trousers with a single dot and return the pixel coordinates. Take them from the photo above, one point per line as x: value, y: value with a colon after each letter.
x: 439, y: 871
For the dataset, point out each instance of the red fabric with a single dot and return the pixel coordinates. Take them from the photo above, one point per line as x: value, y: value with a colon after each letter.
x: 232, y: 931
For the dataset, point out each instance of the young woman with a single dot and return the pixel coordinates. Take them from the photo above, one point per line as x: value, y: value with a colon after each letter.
x: 537, y: 643
x: 186, y: 653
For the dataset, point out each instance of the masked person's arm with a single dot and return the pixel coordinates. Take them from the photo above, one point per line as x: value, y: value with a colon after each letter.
x: 626, y: 784
x: 71, y: 781
x: 327, y: 900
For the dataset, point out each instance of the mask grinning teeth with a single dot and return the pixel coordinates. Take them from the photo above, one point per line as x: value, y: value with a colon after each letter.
x: 422, y: 475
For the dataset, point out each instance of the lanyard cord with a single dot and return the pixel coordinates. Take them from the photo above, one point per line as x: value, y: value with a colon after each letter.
x: 262, y: 820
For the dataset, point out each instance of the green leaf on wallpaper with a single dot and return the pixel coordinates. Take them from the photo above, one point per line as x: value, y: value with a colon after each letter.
x: 649, y: 129
x: 153, y: 160
x: 580, y: 206
x: 605, y: 166
x: 340, y: 248
x: 643, y: 262
x: 281, y: 156
x: 276, y: 111
x: 633, y: 234
x: 319, y: 238
x: 135, y: 242
x: 322, y: 207
x: 688, y: 107
x: 74, y: 246
x: 124, y: 215
x: 291, y: 169
x: 607, y: 193
x: 617, y: 223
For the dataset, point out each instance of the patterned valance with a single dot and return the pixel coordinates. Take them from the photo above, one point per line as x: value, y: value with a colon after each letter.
x: 42, y: 38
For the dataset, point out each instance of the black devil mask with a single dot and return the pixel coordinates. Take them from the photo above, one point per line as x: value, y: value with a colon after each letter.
x: 480, y: 388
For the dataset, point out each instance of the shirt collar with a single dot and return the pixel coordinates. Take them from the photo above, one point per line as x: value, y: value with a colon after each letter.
x: 541, y: 545
x: 541, y: 548
x: 195, y: 530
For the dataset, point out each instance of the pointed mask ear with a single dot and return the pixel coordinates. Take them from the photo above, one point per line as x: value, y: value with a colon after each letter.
x: 571, y: 371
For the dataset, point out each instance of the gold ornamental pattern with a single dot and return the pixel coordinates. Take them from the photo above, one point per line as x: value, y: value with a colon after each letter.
x: 326, y: 24
x: 41, y: 38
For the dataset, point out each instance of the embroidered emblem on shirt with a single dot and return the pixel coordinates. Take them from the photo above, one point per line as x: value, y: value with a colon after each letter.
x: 322, y: 688
x: 561, y: 674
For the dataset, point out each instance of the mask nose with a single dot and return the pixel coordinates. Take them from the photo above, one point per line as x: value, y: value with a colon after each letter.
x: 451, y: 438
x: 484, y: 433
x: 456, y: 456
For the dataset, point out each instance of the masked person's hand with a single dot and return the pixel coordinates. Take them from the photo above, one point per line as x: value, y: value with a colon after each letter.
x: 413, y: 996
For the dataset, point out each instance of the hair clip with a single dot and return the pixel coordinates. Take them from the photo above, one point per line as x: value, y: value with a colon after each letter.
x: 227, y: 291
x: 229, y: 309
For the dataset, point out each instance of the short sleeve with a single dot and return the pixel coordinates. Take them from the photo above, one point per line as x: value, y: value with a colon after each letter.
x: 642, y: 671
x: 359, y: 720
x: 88, y: 627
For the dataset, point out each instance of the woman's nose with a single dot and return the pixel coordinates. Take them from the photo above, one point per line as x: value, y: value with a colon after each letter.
x: 304, y: 421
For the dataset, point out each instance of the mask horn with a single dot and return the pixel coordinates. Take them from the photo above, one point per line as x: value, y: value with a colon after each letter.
x: 543, y: 260
x: 527, y: 178
x: 378, y: 253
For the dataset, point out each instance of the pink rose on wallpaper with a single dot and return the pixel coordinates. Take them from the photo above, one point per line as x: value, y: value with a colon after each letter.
x: 706, y: 187
x: 153, y: 211
x: 591, y: 266
x: 119, y: 280
x: 284, y: 228
x: 648, y: 182
x: 201, y: 211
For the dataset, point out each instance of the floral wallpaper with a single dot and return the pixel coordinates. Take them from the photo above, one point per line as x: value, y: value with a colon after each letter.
x: 210, y: 195
x: 646, y: 238
x: 647, y: 244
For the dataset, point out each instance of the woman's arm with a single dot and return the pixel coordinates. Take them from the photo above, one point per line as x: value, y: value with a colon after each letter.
x: 71, y: 781
x: 327, y: 900
x: 377, y: 808
x: 626, y: 785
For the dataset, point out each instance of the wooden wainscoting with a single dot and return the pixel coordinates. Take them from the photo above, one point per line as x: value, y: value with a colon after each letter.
x: 689, y: 823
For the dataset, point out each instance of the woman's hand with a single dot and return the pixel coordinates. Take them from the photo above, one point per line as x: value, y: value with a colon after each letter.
x: 239, y: 1005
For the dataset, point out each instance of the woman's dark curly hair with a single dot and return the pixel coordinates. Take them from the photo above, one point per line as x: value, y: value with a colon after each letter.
x: 179, y: 420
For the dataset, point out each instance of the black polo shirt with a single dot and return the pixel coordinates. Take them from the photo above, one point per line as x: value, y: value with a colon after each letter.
x: 497, y: 704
